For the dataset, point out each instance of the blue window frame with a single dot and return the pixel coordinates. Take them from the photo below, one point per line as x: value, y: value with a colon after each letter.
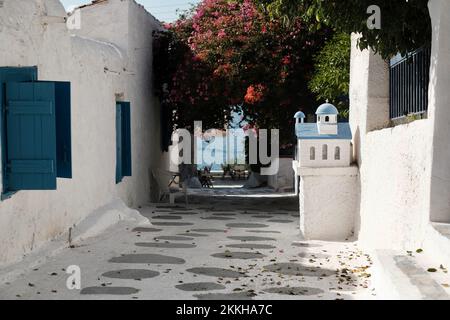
x: 35, y: 131
x: 123, y: 141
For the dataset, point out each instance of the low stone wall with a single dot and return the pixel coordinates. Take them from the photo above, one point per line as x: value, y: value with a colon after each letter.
x: 394, y: 182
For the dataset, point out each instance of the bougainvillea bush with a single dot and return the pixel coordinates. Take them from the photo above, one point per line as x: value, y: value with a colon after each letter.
x: 228, y: 54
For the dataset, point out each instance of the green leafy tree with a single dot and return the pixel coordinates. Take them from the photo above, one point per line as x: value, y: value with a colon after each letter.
x: 405, y: 24
x: 332, y: 72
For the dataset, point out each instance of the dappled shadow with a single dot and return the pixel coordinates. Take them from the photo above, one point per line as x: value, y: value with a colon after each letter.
x: 298, y: 269
x: 295, y: 291
x: 254, y: 202
x: 226, y: 296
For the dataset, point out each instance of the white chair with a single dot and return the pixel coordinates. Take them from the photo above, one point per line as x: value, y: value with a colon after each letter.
x: 164, y: 179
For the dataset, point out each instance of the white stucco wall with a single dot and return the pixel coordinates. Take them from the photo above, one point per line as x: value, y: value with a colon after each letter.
x: 439, y: 100
x: 328, y: 202
x: 107, y: 21
x: 404, y: 171
x: 305, y: 159
x: 369, y: 95
x: 393, y: 162
x: 98, y: 71
x: 394, y: 187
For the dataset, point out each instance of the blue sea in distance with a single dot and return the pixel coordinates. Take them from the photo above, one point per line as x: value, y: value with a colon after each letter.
x: 235, y: 156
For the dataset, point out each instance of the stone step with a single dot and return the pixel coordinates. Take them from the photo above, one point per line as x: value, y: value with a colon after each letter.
x: 398, y: 276
x: 437, y: 242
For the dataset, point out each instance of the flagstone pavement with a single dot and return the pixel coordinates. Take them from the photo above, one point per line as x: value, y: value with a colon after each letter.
x: 228, y: 243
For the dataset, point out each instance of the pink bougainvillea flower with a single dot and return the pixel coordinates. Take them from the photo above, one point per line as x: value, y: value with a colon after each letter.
x: 222, y: 34
x: 255, y: 94
x: 286, y: 60
x: 232, y: 53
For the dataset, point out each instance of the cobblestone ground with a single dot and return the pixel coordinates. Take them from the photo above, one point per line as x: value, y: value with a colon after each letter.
x: 227, y: 244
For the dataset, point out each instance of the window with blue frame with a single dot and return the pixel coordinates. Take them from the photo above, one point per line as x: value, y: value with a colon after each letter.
x: 35, y: 131
x: 123, y: 140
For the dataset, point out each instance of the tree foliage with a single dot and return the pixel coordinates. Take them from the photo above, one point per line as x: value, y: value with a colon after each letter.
x: 331, y: 79
x: 230, y: 54
x: 405, y: 24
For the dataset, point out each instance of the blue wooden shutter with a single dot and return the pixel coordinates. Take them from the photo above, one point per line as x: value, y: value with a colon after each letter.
x: 11, y: 74
x: 20, y: 74
x: 123, y: 141
x: 119, y: 175
x: 126, y: 139
x: 63, y: 130
x: 31, y: 136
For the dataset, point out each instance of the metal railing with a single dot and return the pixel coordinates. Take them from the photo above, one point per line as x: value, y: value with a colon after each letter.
x: 408, y: 83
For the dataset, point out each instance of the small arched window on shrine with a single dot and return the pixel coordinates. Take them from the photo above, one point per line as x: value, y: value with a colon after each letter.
x: 337, y: 153
x: 325, y: 152
x: 312, y: 153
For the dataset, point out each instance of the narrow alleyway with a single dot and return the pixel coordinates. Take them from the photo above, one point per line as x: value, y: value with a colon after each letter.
x: 228, y: 244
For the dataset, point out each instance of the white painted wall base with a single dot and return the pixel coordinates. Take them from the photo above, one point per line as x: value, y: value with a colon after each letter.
x: 328, y: 202
x: 437, y: 242
x: 398, y: 276
x: 93, y: 225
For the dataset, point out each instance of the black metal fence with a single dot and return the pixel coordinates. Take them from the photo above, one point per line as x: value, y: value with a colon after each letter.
x: 409, y: 78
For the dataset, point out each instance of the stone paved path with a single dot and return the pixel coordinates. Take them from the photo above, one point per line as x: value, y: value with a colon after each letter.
x: 245, y: 245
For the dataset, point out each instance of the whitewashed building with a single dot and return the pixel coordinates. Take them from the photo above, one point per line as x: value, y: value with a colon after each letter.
x: 97, y: 77
x: 399, y: 200
x: 403, y: 155
x: 404, y: 166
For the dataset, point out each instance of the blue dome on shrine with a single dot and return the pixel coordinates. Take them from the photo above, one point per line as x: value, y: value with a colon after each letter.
x: 327, y: 109
x: 299, y: 115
